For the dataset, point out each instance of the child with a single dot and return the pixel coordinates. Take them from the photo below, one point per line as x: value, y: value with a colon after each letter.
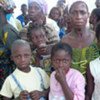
x: 25, y: 81
x: 94, y: 18
x: 66, y: 83
x: 55, y: 14
x: 41, y: 51
x: 93, y: 73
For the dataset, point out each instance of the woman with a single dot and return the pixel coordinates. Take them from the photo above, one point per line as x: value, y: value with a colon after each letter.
x: 80, y: 38
x: 8, y: 34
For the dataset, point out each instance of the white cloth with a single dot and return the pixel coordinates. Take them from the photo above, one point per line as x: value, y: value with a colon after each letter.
x: 29, y: 81
x: 95, y: 71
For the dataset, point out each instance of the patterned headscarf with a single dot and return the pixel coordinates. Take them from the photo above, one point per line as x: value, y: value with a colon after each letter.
x: 7, y: 5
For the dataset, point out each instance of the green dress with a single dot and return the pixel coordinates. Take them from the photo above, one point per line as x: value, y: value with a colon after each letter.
x: 81, y: 57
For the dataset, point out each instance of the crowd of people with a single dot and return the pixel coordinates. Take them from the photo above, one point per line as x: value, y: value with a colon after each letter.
x: 51, y: 56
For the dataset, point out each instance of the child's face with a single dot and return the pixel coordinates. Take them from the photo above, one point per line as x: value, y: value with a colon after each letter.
x: 93, y: 19
x: 38, y: 37
x: 79, y: 15
x: 55, y: 14
x: 61, y: 59
x: 22, y: 57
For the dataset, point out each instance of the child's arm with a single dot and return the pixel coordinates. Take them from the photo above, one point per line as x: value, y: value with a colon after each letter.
x: 90, y: 84
x: 60, y: 76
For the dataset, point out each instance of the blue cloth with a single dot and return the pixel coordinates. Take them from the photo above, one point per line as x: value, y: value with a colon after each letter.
x: 62, y: 32
x: 8, y: 16
x: 21, y: 19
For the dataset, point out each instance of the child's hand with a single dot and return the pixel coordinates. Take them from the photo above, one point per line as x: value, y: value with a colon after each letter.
x: 42, y: 50
x: 60, y: 75
x: 23, y: 95
x: 35, y: 95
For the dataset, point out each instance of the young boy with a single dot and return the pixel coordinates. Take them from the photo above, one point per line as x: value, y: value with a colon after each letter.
x: 26, y: 81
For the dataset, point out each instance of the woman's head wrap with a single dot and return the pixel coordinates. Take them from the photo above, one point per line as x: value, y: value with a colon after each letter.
x: 42, y: 4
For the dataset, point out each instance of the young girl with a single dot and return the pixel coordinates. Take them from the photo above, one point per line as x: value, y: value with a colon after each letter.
x: 55, y: 14
x: 66, y: 83
x: 26, y: 81
x: 41, y: 51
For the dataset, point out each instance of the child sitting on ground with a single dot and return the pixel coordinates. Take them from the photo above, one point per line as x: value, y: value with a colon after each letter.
x: 26, y: 82
x: 66, y: 83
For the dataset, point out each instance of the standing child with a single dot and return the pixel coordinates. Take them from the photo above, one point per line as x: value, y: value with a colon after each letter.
x: 66, y: 83
x: 26, y: 81
x: 41, y: 50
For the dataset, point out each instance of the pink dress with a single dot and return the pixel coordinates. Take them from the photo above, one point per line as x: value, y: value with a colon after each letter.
x: 75, y: 81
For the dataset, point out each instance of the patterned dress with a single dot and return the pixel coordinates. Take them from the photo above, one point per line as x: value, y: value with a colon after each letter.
x: 81, y: 57
x: 43, y: 61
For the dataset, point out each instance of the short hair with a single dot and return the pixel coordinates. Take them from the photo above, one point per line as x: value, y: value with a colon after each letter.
x: 32, y: 28
x: 77, y: 3
x: 98, y: 31
x: 96, y: 12
x: 96, y: 3
x: 54, y: 8
x: 20, y: 43
x: 23, y: 5
x: 61, y: 46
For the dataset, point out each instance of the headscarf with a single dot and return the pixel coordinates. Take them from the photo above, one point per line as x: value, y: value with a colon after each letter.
x: 42, y: 4
x: 7, y: 5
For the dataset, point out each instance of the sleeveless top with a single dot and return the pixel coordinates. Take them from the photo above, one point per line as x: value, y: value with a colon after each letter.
x: 95, y: 71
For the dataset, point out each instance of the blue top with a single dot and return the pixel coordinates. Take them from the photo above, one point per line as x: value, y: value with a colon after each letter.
x: 21, y: 19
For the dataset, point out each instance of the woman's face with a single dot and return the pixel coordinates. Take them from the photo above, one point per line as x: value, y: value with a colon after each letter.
x: 61, y: 59
x: 33, y: 10
x: 79, y: 15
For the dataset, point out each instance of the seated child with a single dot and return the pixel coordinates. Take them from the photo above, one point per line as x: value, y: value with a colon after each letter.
x: 66, y: 83
x: 41, y: 50
x: 26, y: 81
